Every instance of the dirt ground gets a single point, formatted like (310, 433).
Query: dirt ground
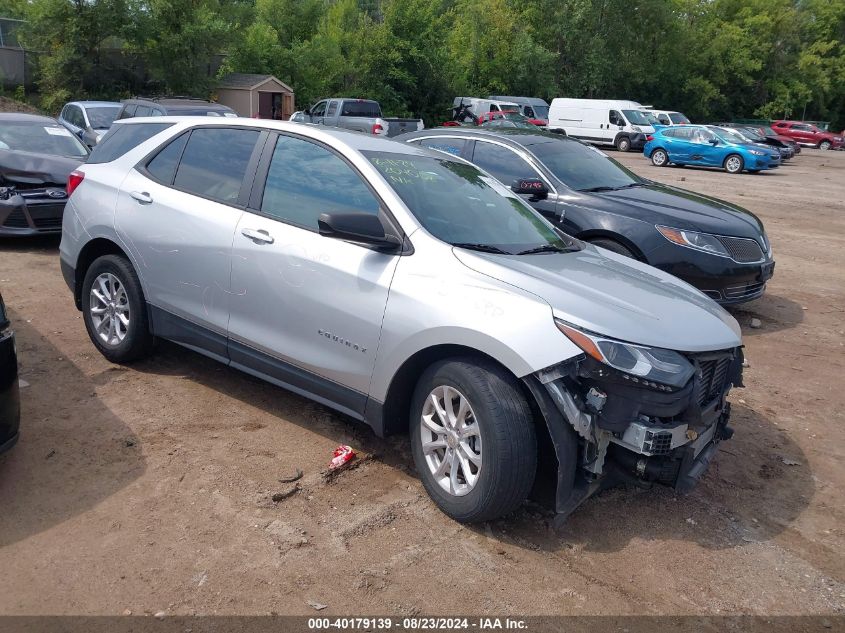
(147, 488)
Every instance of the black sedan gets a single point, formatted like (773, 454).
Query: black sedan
(36, 157)
(10, 406)
(718, 247)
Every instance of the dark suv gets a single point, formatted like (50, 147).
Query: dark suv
(172, 106)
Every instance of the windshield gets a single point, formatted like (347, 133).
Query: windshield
(583, 167)
(28, 136)
(731, 137)
(101, 117)
(459, 205)
(677, 118)
(652, 120)
(540, 111)
(636, 117)
(768, 131)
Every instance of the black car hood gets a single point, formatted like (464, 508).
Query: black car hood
(26, 168)
(661, 204)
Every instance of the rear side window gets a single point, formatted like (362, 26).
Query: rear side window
(505, 164)
(332, 109)
(453, 146)
(129, 111)
(122, 138)
(163, 166)
(368, 109)
(214, 162)
(306, 179)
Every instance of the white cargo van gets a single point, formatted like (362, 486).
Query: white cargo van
(669, 117)
(622, 124)
(473, 107)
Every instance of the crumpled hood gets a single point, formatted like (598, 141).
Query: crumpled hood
(27, 168)
(615, 296)
(661, 204)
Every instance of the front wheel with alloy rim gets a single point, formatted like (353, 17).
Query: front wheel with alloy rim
(825, 145)
(114, 310)
(623, 144)
(734, 164)
(473, 439)
(659, 158)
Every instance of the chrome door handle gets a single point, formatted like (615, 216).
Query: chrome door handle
(141, 196)
(259, 236)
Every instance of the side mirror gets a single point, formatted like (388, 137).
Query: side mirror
(364, 228)
(533, 187)
(714, 141)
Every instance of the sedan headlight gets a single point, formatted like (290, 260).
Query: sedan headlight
(692, 239)
(650, 366)
(757, 152)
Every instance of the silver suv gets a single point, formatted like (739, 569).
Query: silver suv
(407, 289)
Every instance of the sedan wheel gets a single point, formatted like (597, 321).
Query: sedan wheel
(825, 145)
(659, 158)
(734, 164)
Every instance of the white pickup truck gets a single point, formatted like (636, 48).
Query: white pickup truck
(361, 115)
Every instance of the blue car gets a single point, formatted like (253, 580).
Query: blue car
(709, 146)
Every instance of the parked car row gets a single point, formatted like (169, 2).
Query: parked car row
(412, 290)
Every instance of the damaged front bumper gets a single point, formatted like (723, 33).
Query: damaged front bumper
(608, 427)
(31, 211)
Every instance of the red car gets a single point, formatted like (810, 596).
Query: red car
(808, 134)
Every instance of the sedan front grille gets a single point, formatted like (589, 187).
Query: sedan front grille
(742, 250)
(16, 220)
(744, 291)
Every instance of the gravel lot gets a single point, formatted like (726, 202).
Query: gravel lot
(147, 488)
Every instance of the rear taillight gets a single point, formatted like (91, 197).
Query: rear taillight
(74, 180)
(649, 137)
(377, 129)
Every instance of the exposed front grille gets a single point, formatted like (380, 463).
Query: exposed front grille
(743, 291)
(712, 375)
(742, 249)
(16, 220)
(47, 223)
(658, 442)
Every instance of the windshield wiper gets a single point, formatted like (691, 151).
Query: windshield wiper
(547, 248)
(633, 184)
(600, 188)
(485, 248)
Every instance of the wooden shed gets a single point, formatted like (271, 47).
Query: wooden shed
(261, 96)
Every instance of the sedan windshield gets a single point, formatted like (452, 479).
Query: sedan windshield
(101, 117)
(540, 111)
(458, 204)
(35, 137)
(636, 117)
(731, 137)
(583, 167)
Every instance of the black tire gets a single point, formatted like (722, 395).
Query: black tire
(137, 341)
(623, 144)
(613, 246)
(662, 157)
(825, 145)
(730, 164)
(508, 439)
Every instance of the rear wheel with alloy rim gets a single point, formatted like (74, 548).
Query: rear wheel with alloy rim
(473, 439)
(114, 310)
(734, 164)
(825, 145)
(659, 158)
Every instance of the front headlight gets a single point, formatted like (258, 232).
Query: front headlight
(650, 366)
(692, 239)
(636, 128)
(757, 152)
